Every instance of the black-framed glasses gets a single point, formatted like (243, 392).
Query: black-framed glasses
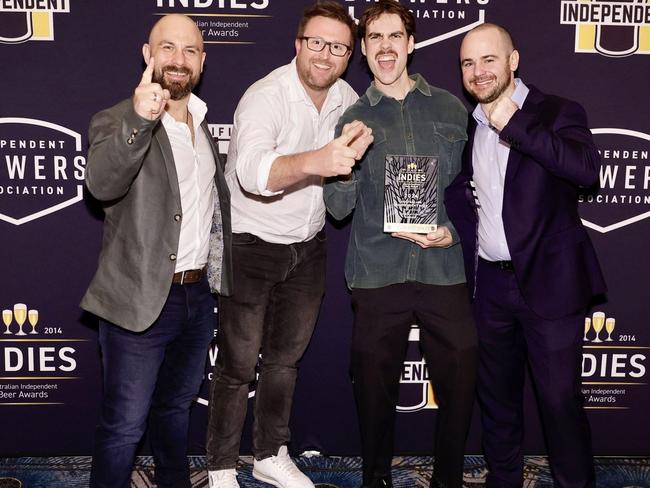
(318, 44)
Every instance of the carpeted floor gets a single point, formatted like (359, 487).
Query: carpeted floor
(326, 472)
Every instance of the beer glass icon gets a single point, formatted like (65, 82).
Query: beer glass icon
(587, 327)
(598, 322)
(20, 315)
(32, 317)
(7, 317)
(610, 323)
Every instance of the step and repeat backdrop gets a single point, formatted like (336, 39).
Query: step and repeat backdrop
(64, 60)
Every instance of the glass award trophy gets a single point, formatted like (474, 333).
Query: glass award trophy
(411, 194)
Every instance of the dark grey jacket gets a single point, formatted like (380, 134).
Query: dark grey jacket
(428, 122)
(131, 170)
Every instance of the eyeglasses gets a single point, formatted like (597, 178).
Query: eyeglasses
(318, 44)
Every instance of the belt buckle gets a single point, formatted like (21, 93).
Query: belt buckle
(505, 265)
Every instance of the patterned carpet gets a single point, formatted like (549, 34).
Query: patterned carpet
(326, 472)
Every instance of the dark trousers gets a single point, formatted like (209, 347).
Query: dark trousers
(382, 321)
(510, 334)
(278, 292)
(152, 377)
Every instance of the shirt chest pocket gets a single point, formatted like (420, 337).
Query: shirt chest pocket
(374, 159)
(448, 143)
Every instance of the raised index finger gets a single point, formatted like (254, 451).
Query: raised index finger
(147, 74)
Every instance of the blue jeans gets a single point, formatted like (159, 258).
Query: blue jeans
(152, 377)
(273, 311)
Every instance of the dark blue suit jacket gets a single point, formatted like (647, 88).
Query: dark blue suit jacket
(552, 153)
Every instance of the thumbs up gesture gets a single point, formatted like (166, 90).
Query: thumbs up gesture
(339, 156)
(149, 98)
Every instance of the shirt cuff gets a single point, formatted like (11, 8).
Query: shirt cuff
(263, 171)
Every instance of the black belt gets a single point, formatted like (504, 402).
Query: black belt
(188, 276)
(503, 265)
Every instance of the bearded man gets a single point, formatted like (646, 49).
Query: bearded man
(530, 264)
(166, 249)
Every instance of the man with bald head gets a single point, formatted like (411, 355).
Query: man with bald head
(529, 261)
(166, 249)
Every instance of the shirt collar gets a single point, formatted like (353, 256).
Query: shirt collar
(374, 94)
(195, 106)
(518, 96)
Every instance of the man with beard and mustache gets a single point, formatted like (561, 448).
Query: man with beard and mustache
(529, 261)
(153, 165)
(403, 278)
(280, 150)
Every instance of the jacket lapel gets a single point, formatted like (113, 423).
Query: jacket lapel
(516, 156)
(468, 169)
(161, 138)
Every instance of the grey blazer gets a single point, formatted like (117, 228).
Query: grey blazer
(131, 170)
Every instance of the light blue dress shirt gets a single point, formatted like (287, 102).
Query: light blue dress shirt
(490, 161)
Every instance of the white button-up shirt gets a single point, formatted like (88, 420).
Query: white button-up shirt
(195, 167)
(276, 117)
(490, 161)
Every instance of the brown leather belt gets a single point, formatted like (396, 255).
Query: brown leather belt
(188, 276)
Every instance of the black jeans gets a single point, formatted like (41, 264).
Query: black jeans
(278, 290)
(382, 322)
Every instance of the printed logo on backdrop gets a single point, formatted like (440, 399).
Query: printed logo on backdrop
(437, 20)
(42, 169)
(614, 28)
(204, 395)
(29, 20)
(613, 363)
(622, 198)
(221, 134)
(224, 21)
(36, 363)
(415, 389)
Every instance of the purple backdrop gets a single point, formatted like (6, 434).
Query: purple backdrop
(68, 59)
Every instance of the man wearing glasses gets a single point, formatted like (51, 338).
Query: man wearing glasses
(280, 150)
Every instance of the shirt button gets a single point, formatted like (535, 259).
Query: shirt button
(177, 217)
(412, 254)
(129, 141)
(172, 257)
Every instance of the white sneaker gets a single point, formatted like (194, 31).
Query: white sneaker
(280, 471)
(223, 478)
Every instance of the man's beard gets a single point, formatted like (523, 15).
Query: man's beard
(501, 86)
(313, 83)
(177, 91)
